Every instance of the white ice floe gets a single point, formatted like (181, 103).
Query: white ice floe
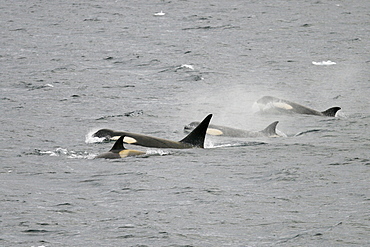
(324, 63)
(159, 13)
(187, 66)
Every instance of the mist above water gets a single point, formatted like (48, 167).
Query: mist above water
(68, 69)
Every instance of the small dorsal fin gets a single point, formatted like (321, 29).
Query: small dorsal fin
(331, 111)
(197, 136)
(271, 129)
(118, 145)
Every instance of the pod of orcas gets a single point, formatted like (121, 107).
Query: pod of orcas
(193, 140)
(198, 130)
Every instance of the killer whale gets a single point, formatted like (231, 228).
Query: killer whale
(270, 104)
(193, 140)
(119, 151)
(218, 130)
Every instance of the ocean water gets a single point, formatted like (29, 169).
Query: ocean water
(70, 68)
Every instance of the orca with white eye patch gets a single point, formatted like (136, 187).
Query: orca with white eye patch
(218, 130)
(119, 151)
(269, 104)
(193, 140)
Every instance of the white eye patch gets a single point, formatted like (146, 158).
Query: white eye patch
(214, 132)
(129, 140)
(283, 105)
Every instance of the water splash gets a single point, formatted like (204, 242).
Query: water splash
(90, 138)
(159, 152)
(280, 133)
(341, 114)
(63, 152)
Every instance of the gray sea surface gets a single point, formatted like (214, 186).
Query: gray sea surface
(68, 68)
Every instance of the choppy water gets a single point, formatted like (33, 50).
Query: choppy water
(68, 68)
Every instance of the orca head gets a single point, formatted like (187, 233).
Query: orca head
(266, 99)
(190, 127)
(267, 103)
(107, 133)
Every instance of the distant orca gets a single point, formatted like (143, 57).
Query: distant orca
(119, 151)
(269, 104)
(194, 140)
(217, 130)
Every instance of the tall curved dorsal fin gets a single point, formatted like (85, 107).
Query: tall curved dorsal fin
(197, 136)
(331, 111)
(271, 129)
(118, 145)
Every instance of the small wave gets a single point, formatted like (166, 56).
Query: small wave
(135, 113)
(85, 155)
(31, 86)
(159, 152)
(36, 231)
(176, 68)
(234, 144)
(63, 152)
(310, 131)
(210, 27)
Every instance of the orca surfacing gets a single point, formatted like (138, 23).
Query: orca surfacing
(269, 104)
(119, 151)
(193, 140)
(218, 130)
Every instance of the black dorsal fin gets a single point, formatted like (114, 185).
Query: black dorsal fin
(118, 145)
(331, 111)
(271, 129)
(197, 136)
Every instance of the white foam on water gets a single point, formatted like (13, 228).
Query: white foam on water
(159, 152)
(65, 152)
(89, 138)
